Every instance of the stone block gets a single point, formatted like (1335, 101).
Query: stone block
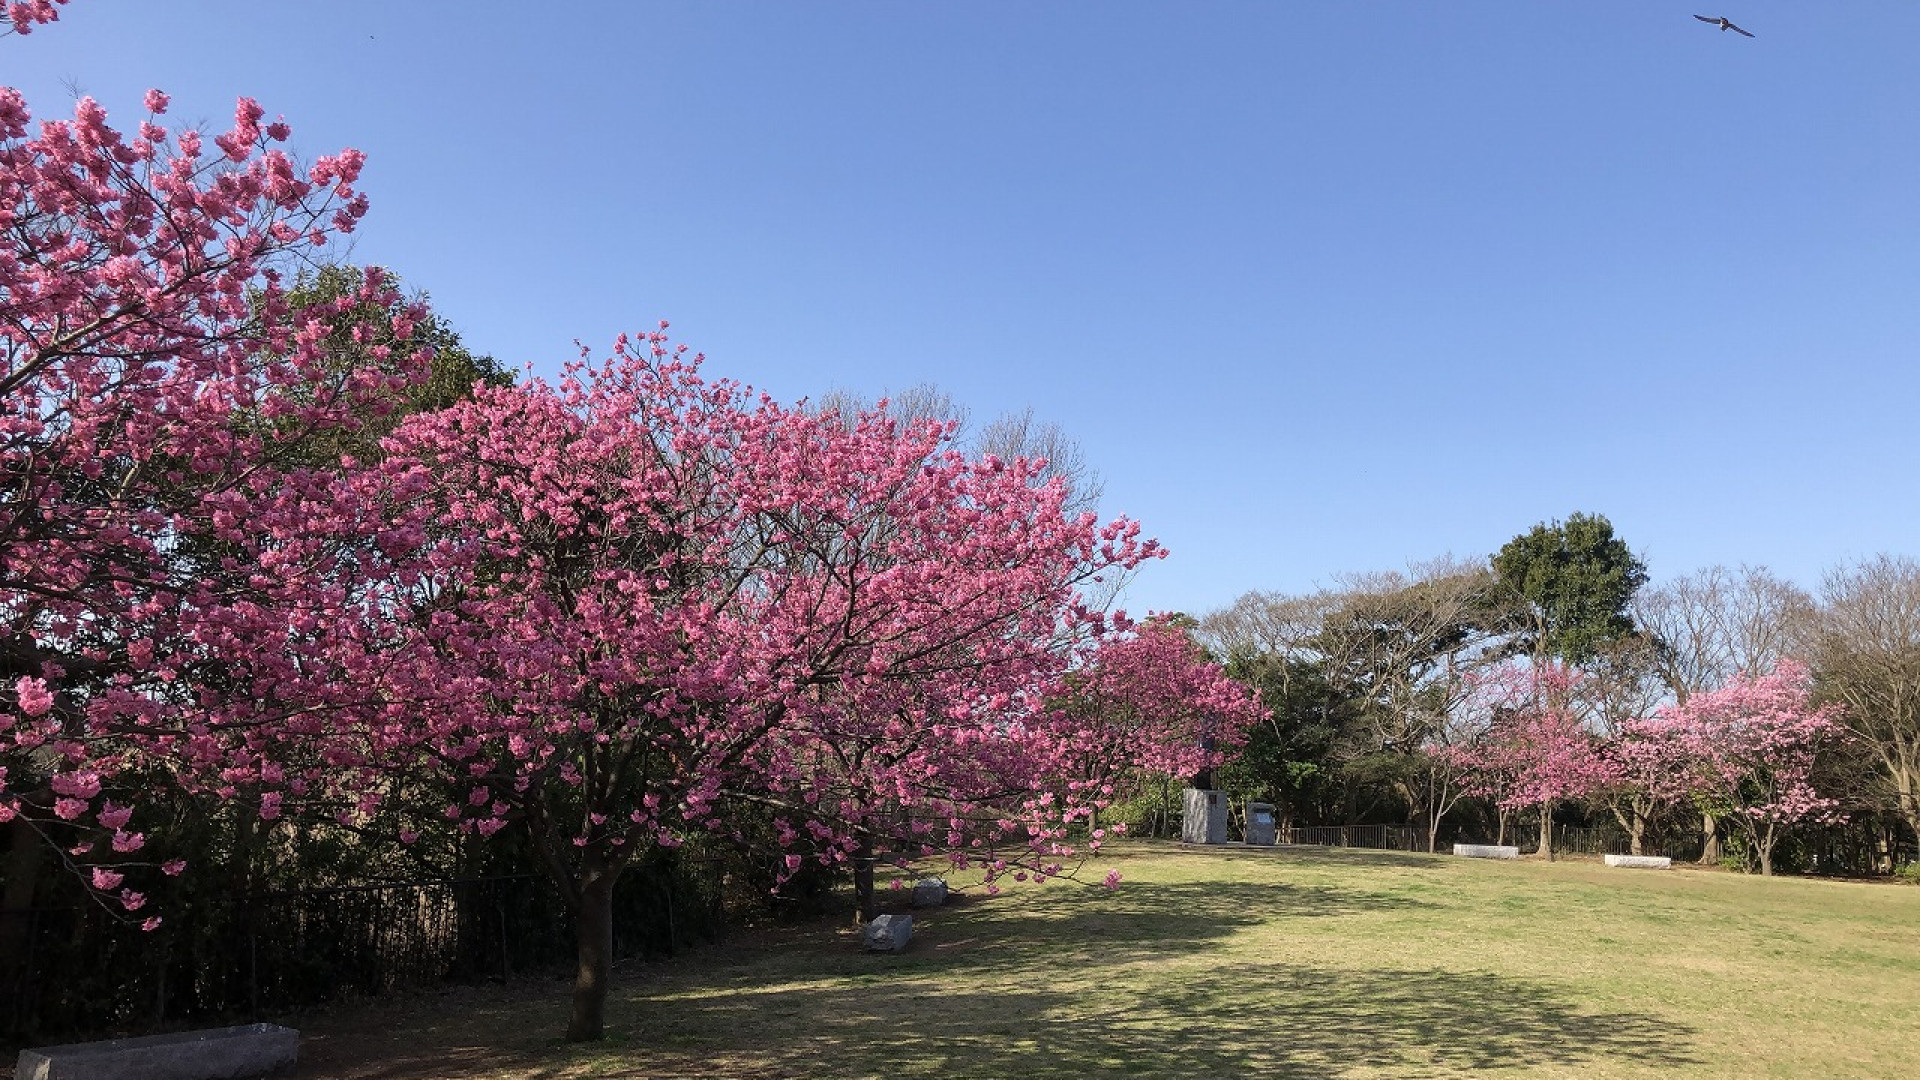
(1641, 862)
(251, 1050)
(888, 933)
(1260, 824)
(931, 892)
(1486, 851)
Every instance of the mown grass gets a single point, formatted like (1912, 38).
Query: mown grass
(1292, 962)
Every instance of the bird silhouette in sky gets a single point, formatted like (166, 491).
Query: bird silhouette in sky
(1723, 23)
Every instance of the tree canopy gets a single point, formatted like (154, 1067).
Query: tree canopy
(1577, 579)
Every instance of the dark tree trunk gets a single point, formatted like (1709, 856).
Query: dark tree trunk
(593, 930)
(1636, 831)
(868, 909)
(1634, 821)
(25, 858)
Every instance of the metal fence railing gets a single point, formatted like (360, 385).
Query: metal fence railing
(1567, 839)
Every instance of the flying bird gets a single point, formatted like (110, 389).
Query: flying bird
(1723, 23)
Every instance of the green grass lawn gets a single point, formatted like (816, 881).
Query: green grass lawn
(1289, 962)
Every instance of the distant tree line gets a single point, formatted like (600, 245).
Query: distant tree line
(1727, 715)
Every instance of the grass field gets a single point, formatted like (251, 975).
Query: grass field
(1290, 962)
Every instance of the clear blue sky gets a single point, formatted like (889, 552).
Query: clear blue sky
(1320, 286)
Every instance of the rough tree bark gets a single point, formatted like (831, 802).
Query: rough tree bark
(593, 933)
(867, 909)
(1710, 850)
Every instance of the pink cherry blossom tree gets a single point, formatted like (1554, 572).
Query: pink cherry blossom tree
(154, 379)
(1753, 745)
(636, 605)
(1152, 703)
(1651, 767)
(613, 612)
(1534, 750)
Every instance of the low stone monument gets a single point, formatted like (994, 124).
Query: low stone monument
(251, 1050)
(888, 933)
(1641, 862)
(930, 892)
(1486, 851)
(1260, 826)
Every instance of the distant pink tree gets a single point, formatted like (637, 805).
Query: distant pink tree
(1753, 746)
(1651, 768)
(1534, 751)
(1152, 702)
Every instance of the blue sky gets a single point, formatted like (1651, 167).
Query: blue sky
(1319, 286)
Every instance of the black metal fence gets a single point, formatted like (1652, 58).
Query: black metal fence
(83, 970)
(1567, 839)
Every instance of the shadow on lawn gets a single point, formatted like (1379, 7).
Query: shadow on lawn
(1306, 853)
(1261, 1020)
(1079, 925)
(978, 995)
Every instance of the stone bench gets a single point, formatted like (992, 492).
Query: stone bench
(1486, 851)
(250, 1050)
(1641, 862)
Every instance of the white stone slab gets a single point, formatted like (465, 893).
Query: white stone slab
(1641, 862)
(1486, 851)
(250, 1050)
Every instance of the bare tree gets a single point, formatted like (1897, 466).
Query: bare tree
(1020, 435)
(1396, 646)
(1403, 641)
(1714, 624)
(1622, 683)
(919, 402)
(1866, 654)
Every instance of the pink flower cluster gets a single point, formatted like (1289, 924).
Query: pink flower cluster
(155, 375)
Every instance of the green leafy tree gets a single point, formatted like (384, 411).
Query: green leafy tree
(1575, 579)
(1296, 760)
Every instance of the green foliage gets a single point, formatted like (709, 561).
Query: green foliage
(1578, 578)
(451, 378)
(1154, 810)
(1297, 760)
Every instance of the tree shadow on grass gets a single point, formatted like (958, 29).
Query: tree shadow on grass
(1240, 1020)
(1310, 854)
(1147, 921)
(1050, 991)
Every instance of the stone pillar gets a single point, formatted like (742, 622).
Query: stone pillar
(1205, 817)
